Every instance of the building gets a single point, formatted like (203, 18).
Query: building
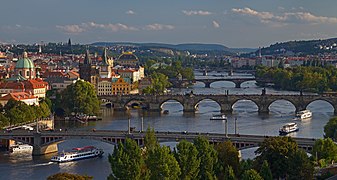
(25, 97)
(88, 72)
(121, 86)
(104, 86)
(128, 59)
(144, 83)
(25, 67)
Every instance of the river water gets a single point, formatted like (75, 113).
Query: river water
(25, 166)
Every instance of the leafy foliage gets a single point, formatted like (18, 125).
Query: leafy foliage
(228, 155)
(265, 171)
(325, 149)
(80, 97)
(251, 175)
(208, 158)
(68, 176)
(187, 157)
(330, 129)
(229, 173)
(159, 83)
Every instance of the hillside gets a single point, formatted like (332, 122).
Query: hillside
(301, 47)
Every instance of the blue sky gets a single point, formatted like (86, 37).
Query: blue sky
(233, 23)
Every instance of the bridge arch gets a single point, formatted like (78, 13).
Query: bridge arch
(285, 105)
(211, 104)
(297, 108)
(224, 82)
(134, 101)
(245, 103)
(171, 100)
(322, 107)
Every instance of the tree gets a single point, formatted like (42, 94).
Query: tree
(228, 155)
(251, 175)
(162, 164)
(150, 140)
(330, 129)
(68, 176)
(126, 161)
(208, 158)
(80, 98)
(276, 151)
(265, 171)
(299, 166)
(229, 173)
(4, 121)
(325, 149)
(187, 157)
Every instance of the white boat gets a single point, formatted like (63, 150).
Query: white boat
(301, 115)
(218, 117)
(20, 148)
(77, 154)
(288, 128)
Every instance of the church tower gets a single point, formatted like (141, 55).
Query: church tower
(105, 68)
(85, 68)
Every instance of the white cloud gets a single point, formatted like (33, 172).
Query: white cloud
(78, 28)
(286, 17)
(130, 12)
(216, 24)
(71, 29)
(199, 12)
(157, 27)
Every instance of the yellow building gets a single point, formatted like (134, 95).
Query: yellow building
(121, 86)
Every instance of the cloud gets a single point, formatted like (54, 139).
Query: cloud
(286, 17)
(216, 24)
(199, 12)
(157, 27)
(71, 29)
(79, 28)
(130, 12)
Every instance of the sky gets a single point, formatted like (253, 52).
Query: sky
(233, 23)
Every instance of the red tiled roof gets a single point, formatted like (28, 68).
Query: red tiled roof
(18, 96)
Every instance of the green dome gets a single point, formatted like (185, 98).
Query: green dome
(25, 62)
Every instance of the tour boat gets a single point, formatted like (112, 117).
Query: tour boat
(77, 154)
(20, 148)
(218, 117)
(288, 128)
(305, 114)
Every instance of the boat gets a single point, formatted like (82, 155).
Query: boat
(78, 154)
(288, 128)
(20, 148)
(301, 115)
(218, 117)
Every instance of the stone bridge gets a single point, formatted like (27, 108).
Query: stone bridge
(46, 142)
(236, 81)
(190, 102)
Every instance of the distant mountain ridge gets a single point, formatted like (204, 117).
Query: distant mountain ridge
(182, 47)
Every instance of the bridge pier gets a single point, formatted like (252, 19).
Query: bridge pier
(263, 109)
(207, 84)
(237, 84)
(154, 107)
(226, 108)
(38, 149)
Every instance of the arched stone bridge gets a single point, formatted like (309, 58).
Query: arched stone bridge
(208, 82)
(190, 101)
(46, 142)
(236, 81)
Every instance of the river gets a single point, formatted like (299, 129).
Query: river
(25, 166)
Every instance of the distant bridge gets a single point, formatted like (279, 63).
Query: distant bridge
(191, 101)
(46, 142)
(208, 82)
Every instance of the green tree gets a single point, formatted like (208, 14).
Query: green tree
(68, 176)
(229, 173)
(330, 129)
(325, 149)
(276, 151)
(4, 121)
(208, 158)
(80, 98)
(126, 161)
(246, 165)
(162, 164)
(228, 155)
(150, 140)
(265, 171)
(187, 157)
(300, 166)
(251, 175)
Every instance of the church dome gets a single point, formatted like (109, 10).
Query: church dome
(127, 57)
(24, 63)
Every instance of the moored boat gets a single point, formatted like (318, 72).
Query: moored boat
(288, 128)
(77, 154)
(301, 115)
(218, 117)
(20, 148)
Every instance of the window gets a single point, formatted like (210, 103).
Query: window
(28, 73)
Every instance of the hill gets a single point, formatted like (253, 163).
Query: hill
(304, 47)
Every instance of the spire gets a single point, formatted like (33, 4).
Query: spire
(24, 54)
(87, 59)
(105, 57)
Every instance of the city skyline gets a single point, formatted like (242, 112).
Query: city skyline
(231, 23)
